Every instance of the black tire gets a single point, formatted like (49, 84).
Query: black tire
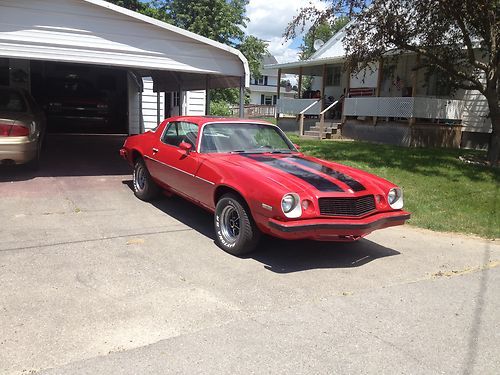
(144, 187)
(34, 165)
(235, 230)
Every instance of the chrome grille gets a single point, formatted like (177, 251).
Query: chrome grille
(347, 206)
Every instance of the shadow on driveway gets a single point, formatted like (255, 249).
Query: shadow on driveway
(73, 155)
(281, 256)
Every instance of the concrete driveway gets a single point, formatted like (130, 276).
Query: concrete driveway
(94, 281)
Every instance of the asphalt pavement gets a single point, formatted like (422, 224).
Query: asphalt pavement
(94, 281)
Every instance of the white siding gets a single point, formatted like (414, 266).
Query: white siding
(196, 103)
(475, 113)
(149, 105)
(134, 108)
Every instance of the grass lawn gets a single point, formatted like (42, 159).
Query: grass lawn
(442, 192)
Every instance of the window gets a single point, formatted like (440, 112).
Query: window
(180, 131)
(268, 100)
(254, 138)
(333, 75)
(260, 81)
(176, 99)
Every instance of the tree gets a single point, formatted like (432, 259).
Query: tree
(254, 49)
(219, 20)
(458, 38)
(322, 31)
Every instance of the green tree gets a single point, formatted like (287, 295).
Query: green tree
(458, 38)
(219, 20)
(254, 49)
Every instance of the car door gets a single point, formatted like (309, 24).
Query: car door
(174, 166)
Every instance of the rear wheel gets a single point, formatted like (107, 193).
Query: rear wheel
(34, 164)
(235, 230)
(144, 187)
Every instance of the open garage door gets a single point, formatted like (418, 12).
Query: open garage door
(80, 98)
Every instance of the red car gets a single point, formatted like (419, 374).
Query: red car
(256, 181)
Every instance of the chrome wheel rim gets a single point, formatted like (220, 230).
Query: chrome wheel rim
(139, 178)
(230, 224)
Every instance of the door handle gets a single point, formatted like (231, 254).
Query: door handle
(155, 150)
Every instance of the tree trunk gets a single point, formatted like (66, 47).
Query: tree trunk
(494, 145)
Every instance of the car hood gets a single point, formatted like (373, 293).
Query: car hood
(298, 173)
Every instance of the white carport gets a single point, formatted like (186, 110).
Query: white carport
(94, 32)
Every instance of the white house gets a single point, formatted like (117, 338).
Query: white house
(390, 102)
(263, 90)
(115, 49)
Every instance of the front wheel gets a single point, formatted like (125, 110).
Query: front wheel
(144, 187)
(235, 230)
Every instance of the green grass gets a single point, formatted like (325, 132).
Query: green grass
(442, 192)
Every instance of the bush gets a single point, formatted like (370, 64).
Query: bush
(219, 108)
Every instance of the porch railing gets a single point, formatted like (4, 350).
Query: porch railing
(255, 110)
(294, 107)
(405, 107)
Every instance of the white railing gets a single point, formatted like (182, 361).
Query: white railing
(405, 107)
(294, 107)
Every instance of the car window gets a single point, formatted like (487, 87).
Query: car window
(11, 101)
(180, 131)
(242, 137)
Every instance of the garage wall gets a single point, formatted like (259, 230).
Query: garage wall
(149, 104)
(196, 103)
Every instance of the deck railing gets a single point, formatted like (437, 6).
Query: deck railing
(405, 107)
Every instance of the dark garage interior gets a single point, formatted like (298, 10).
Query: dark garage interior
(80, 98)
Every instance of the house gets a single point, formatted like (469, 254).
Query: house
(114, 51)
(263, 89)
(388, 102)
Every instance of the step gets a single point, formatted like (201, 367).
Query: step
(329, 124)
(326, 129)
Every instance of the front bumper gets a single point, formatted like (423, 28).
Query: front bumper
(17, 150)
(336, 229)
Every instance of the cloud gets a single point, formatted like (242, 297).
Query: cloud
(268, 21)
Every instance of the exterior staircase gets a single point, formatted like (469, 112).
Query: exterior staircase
(330, 131)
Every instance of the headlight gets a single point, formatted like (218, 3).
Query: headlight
(395, 198)
(290, 205)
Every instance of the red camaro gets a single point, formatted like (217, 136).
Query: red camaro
(256, 181)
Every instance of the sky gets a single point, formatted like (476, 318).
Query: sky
(268, 20)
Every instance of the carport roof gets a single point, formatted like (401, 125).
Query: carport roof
(100, 33)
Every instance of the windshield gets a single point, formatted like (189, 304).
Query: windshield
(251, 138)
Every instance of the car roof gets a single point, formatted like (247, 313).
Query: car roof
(202, 120)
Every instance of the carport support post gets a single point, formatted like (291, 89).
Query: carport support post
(207, 96)
(158, 105)
(242, 97)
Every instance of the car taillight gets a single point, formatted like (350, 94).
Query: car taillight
(13, 131)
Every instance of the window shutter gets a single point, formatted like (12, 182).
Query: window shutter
(265, 80)
(262, 100)
(275, 97)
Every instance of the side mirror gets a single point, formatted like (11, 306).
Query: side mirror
(297, 146)
(186, 147)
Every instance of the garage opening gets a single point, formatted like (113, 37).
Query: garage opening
(80, 98)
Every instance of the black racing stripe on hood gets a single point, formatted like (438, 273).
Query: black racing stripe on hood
(348, 180)
(320, 183)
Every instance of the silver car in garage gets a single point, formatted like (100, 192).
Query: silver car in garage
(22, 127)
